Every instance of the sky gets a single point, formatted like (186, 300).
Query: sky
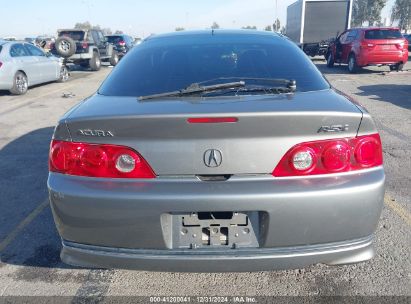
(139, 18)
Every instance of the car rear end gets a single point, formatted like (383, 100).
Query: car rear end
(383, 46)
(243, 182)
(80, 38)
(6, 67)
(119, 43)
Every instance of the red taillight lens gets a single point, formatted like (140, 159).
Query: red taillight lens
(1, 63)
(84, 44)
(96, 160)
(368, 152)
(122, 43)
(336, 157)
(331, 156)
(367, 45)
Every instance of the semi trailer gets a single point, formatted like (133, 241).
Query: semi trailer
(312, 24)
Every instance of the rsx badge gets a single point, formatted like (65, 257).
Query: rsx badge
(333, 128)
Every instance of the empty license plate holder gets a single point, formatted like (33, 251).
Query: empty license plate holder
(215, 230)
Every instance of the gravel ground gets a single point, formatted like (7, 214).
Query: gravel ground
(29, 244)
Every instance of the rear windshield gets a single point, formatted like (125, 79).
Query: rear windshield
(167, 64)
(114, 39)
(75, 35)
(383, 34)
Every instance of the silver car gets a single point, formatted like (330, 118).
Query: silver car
(216, 151)
(23, 65)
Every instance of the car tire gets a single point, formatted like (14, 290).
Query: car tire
(95, 62)
(20, 84)
(114, 58)
(352, 64)
(64, 74)
(397, 67)
(330, 60)
(65, 47)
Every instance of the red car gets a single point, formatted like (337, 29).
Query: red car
(360, 47)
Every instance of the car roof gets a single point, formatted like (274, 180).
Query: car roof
(209, 33)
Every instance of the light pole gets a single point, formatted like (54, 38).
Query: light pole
(276, 16)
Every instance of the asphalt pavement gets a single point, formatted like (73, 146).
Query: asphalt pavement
(30, 246)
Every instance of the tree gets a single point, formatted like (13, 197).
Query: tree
(367, 11)
(215, 26)
(178, 29)
(118, 32)
(88, 26)
(283, 30)
(249, 27)
(401, 12)
(107, 31)
(268, 28)
(83, 25)
(277, 25)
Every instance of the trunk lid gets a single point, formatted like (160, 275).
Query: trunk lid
(267, 127)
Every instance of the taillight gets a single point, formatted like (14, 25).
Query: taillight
(122, 43)
(95, 160)
(401, 45)
(196, 120)
(1, 63)
(331, 156)
(367, 45)
(84, 44)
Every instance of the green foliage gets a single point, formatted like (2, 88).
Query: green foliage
(277, 25)
(215, 26)
(401, 12)
(88, 26)
(179, 29)
(268, 28)
(367, 11)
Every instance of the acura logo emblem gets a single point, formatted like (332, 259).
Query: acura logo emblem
(213, 158)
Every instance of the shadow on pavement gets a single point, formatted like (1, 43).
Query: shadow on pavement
(23, 175)
(384, 92)
(343, 69)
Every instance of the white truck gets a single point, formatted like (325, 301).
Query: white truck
(311, 24)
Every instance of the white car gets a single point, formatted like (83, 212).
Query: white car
(23, 65)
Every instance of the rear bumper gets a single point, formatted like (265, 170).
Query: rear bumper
(117, 215)
(218, 261)
(82, 56)
(384, 59)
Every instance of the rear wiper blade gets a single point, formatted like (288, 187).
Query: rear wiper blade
(256, 89)
(289, 83)
(196, 88)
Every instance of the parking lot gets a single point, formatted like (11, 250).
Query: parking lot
(30, 245)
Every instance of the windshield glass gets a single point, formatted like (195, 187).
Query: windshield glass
(165, 65)
(383, 34)
(75, 35)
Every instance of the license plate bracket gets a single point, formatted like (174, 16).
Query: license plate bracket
(215, 230)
